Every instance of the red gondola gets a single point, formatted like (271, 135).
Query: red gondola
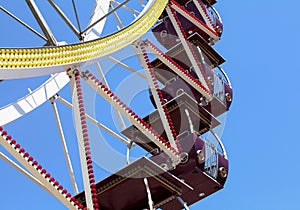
(210, 26)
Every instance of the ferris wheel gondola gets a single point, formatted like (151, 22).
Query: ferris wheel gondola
(181, 70)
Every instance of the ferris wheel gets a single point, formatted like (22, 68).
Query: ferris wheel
(135, 89)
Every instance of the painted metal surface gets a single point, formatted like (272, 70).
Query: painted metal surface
(184, 99)
(185, 88)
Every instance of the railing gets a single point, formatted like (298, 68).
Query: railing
(219, 88)
(220, 81)
(222, 74)
(211, 159)
(214, 15)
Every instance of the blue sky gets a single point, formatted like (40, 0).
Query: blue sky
(261, 47)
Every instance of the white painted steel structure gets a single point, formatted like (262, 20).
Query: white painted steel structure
(66, 62)
(54, 60)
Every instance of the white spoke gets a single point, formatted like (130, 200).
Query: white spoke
(142, 3)
(100, 125)
(116, 16)
(76, 14)
(65, 18)
(23, 23)
(42, 22)
(105, 16)
(126, 66)
(64, 145)
(120, 118)
(125, 7)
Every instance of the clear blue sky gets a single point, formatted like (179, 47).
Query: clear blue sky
(261, 47)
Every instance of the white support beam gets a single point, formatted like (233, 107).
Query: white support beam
(34, 99)
(126, 7)
(116, 16)
(105, 16)
(129, 146)
(184, 204)
(106, 84)
(142, 3)
(187, 113)
(126, 66)
(97, 123)
(80, 140)
(23, 23)
(64, 145)
(65, 18)
(150, 201)
(42, 22)
(100, 9)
